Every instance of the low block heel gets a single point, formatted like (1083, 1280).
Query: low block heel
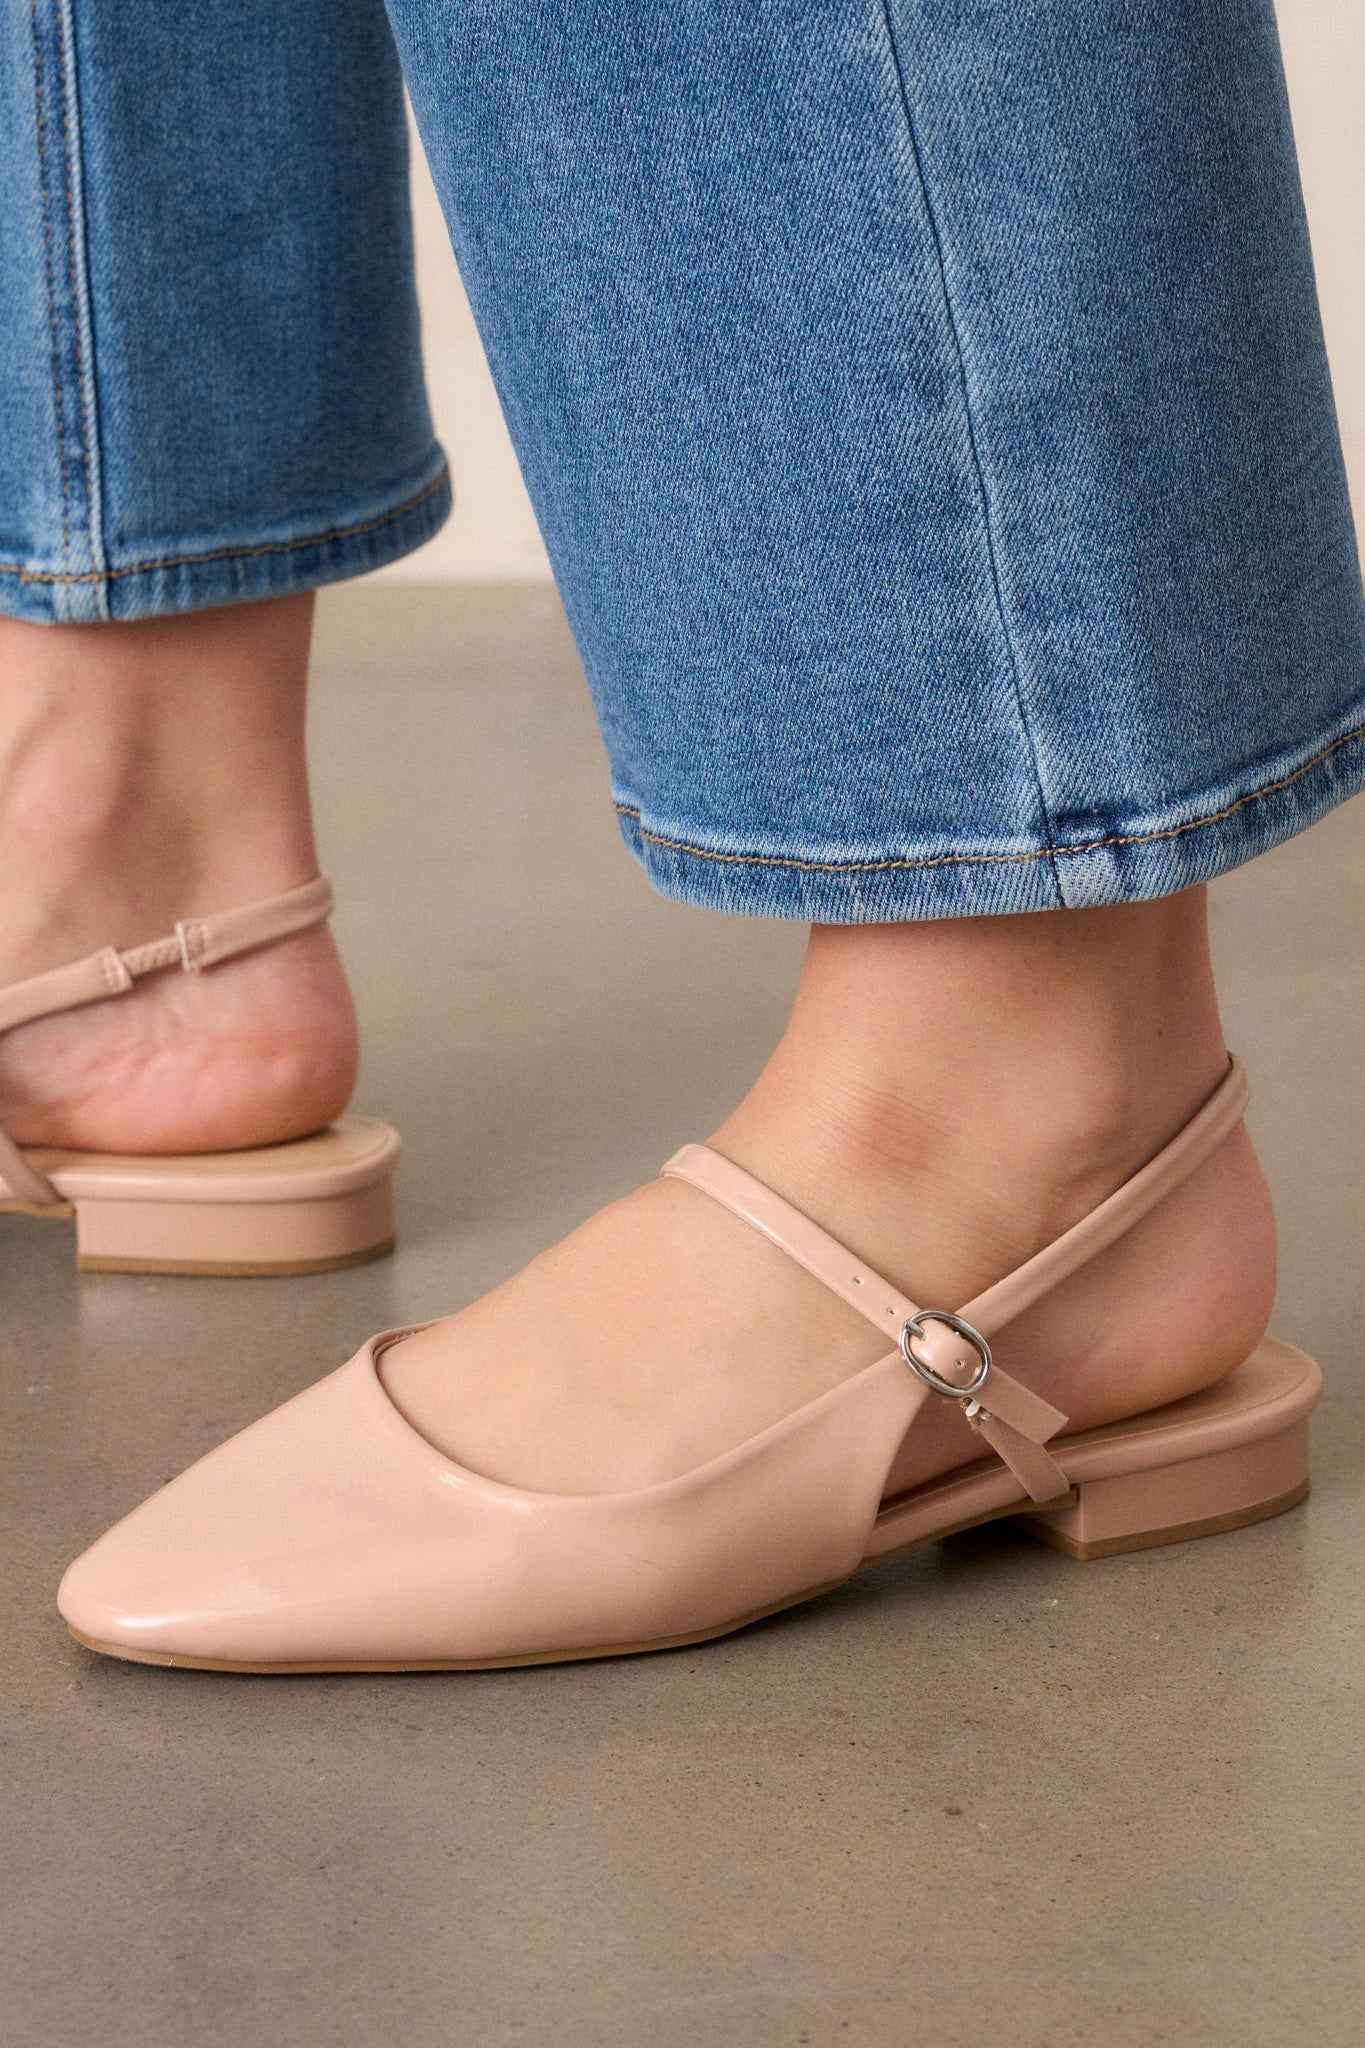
(1228, 1489)
(310, 1205)
(243, 1238)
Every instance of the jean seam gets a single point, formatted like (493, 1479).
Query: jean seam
(939, 860)
(973, 441)
(279, 547)
(79, 293)
(44, 174)
(76, 248)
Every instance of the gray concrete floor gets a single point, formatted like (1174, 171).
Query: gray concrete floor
(982, 1794)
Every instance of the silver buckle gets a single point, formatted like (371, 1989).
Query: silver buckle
(914, 1327)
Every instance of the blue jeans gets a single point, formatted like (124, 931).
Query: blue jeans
(923, 401)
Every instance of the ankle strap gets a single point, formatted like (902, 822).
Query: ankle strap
(1016, 1422)
(196, 943)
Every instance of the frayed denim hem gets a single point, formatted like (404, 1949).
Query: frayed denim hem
(327, 551)
(1128, 864)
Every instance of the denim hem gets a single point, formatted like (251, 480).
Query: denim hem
(347, 545)
(1120, 866)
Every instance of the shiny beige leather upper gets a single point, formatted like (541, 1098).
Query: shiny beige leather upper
(332, 1532)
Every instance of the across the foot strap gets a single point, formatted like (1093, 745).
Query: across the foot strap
(196, 943)
(950, 1352)
(1017, 1423)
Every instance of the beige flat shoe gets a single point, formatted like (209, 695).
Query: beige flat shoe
(332, 1537)
(305, 1207)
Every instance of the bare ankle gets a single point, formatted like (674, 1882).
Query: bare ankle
(1002, 1074)
(149, 773)
(145, 768)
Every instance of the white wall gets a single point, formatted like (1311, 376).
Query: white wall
(492, 534)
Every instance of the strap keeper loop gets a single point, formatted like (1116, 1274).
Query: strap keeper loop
(113, 966)
(183, 933)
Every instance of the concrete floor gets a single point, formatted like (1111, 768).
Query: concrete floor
(981, 1795)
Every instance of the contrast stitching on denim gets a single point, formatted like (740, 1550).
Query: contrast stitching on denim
(73, 245)
(275, 547)
(941, 860)
(973, 438)
(51, 281)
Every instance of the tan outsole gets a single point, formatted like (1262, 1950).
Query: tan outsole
(237, 1269)
(1216, 1525)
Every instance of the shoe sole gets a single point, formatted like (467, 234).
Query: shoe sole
(314, 1205)
(238, 1269)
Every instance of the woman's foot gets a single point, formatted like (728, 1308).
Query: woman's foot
(947, 1099)
(152, 772)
